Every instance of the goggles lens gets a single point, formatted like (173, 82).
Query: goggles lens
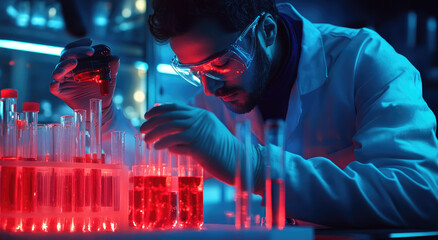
(229, 65)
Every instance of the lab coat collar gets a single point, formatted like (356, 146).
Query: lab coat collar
(312, 73)
(312, 66)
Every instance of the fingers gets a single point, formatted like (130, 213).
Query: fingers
(78, 43)
(180, 149)
(172, 141)
(54, 88)
(162, 119)
(114, 66)
(158, 110)
(164, 130)
(77, 52)
(63, 68)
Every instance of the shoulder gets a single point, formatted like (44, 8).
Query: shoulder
(364, 50)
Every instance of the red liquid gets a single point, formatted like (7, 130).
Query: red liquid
(29, 194)
(95, 196)
(174, 210)
(9, 198)
(96, 188)
(9, 189)
(79, 189)
(275, 204)
(67, 192)
(158, 205)
(53, 188)
(138, 202)
(191, 208)
(116, 195)
(96, 193)
(87, 190)
(242, 218)
(131, 201)
(107, 191)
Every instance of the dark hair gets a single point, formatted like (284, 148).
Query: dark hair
(175, 17)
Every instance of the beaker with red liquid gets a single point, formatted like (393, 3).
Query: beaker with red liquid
(158, 191)
(138, 177)
(190, 193)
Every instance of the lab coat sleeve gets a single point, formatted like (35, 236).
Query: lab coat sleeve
(119, 122)
(393, 180)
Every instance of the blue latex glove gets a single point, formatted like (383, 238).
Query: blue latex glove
(77, 95)
(199, 133)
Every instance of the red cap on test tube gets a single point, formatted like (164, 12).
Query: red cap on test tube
(9, 93)
(31, 107)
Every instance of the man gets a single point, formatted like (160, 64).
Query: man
(360, 146)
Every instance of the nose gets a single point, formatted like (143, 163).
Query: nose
(211, 85)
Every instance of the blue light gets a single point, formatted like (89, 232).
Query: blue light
(11, 11)
(38, 21)
(166, 68)
(412, 234)
(212, 194)
(118, 99)
(30, 47)
(55, 23)
(141, 65)
(100, 21)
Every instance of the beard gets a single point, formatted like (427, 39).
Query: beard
(259, 76)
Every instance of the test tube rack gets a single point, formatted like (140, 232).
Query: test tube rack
(66, 197)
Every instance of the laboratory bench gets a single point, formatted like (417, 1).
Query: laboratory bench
(227, 232)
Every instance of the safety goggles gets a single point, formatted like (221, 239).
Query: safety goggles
(225, 65)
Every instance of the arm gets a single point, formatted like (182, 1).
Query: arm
(393, 180)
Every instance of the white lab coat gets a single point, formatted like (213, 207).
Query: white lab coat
(360, 139)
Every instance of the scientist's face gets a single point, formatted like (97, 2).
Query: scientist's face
(204, 41)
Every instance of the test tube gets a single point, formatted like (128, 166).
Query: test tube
(2, 117)
(190, 193)
(111, 179)
(54, 130)
(9, 110)
(43, 174)
(9, 175)
(67, 132)
(80, 118)
(96, 130)
(96, 157)
(138, 178)
(174, 187)
(43, 177)
(243, 178)
(28, 149)
(65, 186)
(30, 111)
(54, 224)
(43, 143)
(118, 147)
(274, 165)
(117, 158)
(10, 202)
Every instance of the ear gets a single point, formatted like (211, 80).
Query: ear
(267, 29)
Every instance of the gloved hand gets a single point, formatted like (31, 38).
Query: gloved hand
(196, 132)
(77, 95)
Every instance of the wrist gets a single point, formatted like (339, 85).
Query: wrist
(108, 114)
